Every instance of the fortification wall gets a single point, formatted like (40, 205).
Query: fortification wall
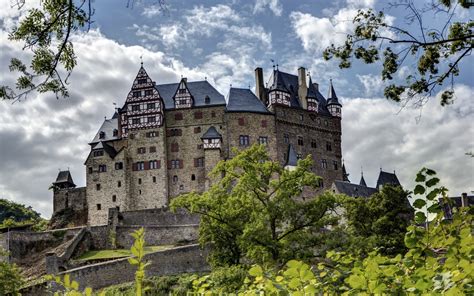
(173, 261)
(73, 198)
(158, 235)
(28, 243)
(161, 217)
(99, 237)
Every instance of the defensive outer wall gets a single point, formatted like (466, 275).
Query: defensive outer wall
(161, 228)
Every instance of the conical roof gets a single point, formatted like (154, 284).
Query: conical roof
(345, 175)
(332, 97)
(312, 91)
(64, 178)
(278, 82)
(362, 181)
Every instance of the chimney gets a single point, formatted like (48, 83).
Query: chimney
(464, 201)
(259, 86)
(185, 80)
(302, 88)
(316, 86)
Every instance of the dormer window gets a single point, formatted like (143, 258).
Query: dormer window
(182, 97)
(115, 132)
(207, 100)
(102, 135)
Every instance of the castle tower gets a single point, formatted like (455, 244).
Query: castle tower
(212, 143)
(278, 94)
(60, 190)
(333, 104)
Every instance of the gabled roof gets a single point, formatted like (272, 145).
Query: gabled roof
(332, 97)
(291, 157)
(64, 177)
(211, 133)
(285, 82)
(354, 190)
(108, 128)
(387, 178)
(107, 148)
(198, 89)
(244, 100)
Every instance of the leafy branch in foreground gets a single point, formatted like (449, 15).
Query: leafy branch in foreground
(46, 31)
(437, 51)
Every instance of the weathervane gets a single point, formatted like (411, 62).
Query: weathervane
(141, 60)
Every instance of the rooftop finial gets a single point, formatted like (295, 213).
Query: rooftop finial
(277, 67)
(205, 78)
(141, 60)
(361, 171)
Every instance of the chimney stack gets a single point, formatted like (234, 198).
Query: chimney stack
(302, 88)
(259, 86)
(464, 201)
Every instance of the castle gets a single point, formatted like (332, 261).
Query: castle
(166, 139)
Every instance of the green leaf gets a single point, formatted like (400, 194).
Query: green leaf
(419, 203)
(430, 172)
(420, 177)
(432, 182)
(357, 281)
(420, 217)
(255, 271)
(419, 189)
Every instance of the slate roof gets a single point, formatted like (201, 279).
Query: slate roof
(291, 157)
(211, 133)
(64, 177)
(362, 181)
(244, 100)
(332, 97)
(354, 190)
(285, 82)
(387, 178)
(457, 203)
(198, 89)
(289, 83)
(107, 148)
(345, 175)
(108, 128)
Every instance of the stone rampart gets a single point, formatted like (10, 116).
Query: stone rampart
(158, 217)
(158, 235)
(25, 243)
(184, 259)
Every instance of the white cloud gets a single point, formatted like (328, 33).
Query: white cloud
(373, 84)
(318, 33)
(273, 5)
(375, 135)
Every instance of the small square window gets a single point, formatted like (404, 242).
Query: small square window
(99, 207)
(264, 123)
(198, 115)
(241, 121)
(152, 149)
(244, 140)
(90, 170)
(149, 92)
(300, 141)
(178, 116)
(97, 186)
(119, 184)
(197, 130)
(286, 138)
(263, 140)
(154, 179)
(114, 198)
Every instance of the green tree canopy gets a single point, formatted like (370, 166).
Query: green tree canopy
(16, 212)
(437, 51)
(255, 210)
(380, 221)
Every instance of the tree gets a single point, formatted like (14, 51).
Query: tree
(16, 212)
(374, 38)
(252, 212)
(379, 222)
(10, 277)
(46, 31)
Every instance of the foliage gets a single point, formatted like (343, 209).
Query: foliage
(10, 278)
(375, 38)
(251, 210)
(138, 252)
(69, 288)
(46, 31)
(221, 280)
(439, 261)
(16, 212)
(379, 221)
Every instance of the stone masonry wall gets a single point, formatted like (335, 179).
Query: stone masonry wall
(187, 145)
(162, 217)
(73, 198)
(158, 235)
(173, 261)
(311, 127)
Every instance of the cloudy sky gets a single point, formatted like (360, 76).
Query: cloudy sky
(224, 41)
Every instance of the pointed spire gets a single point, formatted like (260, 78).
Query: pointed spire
(345, 175)
(312, 92)
(292, 157)
(362, 180)
(332, 97)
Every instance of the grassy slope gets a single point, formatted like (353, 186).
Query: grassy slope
(118, 253)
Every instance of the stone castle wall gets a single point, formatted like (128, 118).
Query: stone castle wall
(158, 235)
(72, 198)
(178, 260)
(162, 217)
